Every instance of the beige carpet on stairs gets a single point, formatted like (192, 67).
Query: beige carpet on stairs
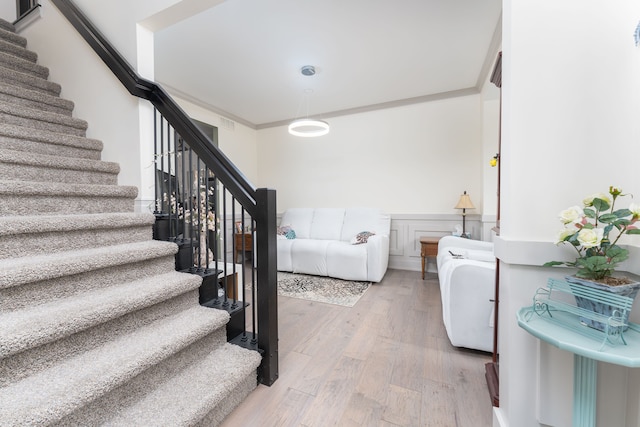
(97, 326)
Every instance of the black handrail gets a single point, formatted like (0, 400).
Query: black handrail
(223, 168)
(259, 203)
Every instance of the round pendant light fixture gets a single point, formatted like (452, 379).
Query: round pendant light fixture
(308, 127)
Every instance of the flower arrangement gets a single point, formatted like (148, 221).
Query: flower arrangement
(588, 230)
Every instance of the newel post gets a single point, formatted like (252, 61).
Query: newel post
(267, 292)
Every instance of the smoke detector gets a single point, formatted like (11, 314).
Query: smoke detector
(308, 70)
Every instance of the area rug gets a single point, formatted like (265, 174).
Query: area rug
(321, 289)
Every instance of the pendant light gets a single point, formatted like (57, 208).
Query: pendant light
(308, 127)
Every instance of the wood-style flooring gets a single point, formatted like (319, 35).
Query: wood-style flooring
(385, 362)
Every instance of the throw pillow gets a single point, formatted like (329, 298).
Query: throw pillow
(286, 232)
(361, 237)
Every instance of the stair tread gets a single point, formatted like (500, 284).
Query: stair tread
(55, 392)
(225, 368)
(7, 26)
(21, 132)
(16, 50)
(34, 188)
(34, 82)
(42, 116)
(37, 96)
(8, 33)
(58, 162)
(11, 225)
(37, 325)
(29, 269)
(23, 65)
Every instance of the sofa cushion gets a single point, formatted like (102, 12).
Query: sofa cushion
(327, 224)
(284, 255)
(299, 219)
(309, 256)
(347, 261)
(364, 219)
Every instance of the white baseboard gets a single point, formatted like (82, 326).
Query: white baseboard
(499, 419)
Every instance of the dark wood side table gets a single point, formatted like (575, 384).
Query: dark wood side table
(241, 239)
(428, 247)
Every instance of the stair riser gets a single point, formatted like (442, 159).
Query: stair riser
(18, 51)
(23, 66)
(17, 172)
(42, 125)
(217, 414)
(101, 409)
(42, 243)
(26, 363)
(42, 205)
(26, 81)
(45, 291)
(47, 105)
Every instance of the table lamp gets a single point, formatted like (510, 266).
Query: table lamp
(464, 203)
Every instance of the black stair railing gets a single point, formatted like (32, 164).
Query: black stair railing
(194, 178)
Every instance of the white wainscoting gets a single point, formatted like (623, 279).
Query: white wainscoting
(406, 230)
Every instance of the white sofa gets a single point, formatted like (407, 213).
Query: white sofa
(323, 243)
(466, 272)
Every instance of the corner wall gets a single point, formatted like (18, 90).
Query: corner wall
(571, 96)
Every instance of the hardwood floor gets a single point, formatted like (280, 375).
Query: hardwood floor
(385, 362)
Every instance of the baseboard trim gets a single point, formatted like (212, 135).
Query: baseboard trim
(493, 383)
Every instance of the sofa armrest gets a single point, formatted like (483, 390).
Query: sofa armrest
(459, 242)
(377, 256)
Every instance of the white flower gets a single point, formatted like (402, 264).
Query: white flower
(572, 215)
(590, 237)
(588, 201)
(563, 234)
(635, 209)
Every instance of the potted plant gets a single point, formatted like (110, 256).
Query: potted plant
(593, 230)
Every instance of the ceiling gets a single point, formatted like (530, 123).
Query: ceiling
(242, 58)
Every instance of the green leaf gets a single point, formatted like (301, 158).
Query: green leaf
(589, 213)
(552, 263)
(633, 231)
(600, 204)
(607, 218)
(622, 213)
(617, 254)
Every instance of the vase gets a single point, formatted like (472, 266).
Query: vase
(630, 290)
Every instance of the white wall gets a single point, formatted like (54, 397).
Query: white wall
(8, 10)
(237, 142)
(411, 159)
(571, 96)
(119, 120)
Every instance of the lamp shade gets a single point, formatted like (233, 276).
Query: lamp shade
(464, 202)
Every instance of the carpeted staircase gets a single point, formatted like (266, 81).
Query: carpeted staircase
(96, 326)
